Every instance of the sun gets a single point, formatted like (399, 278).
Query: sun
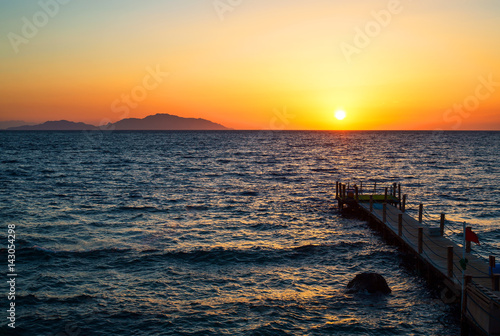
(340, 114)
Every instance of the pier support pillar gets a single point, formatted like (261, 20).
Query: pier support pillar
(465, 326)
(494, 281)
(337, 190)
(400, 225)
(399, 195)
(420, 240)
(450, 262)
(356, 192)
(384, 212)
(403, 206)
(441, 224)
(420, 212)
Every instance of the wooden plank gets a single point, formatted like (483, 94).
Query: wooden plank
(377, 198)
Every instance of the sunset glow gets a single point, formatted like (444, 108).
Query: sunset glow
(391, 64)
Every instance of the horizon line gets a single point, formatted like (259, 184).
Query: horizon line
(260, 130)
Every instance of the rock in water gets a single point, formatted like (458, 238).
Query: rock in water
(371, 282)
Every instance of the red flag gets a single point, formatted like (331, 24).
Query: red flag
(471, 236)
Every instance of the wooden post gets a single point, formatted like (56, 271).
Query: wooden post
(450, 262)
(399, 195)
(384, 212)
(375, 187)
(361, 188)
(420, 240)
(468, 280)
(385, 195)
(441, 224)
(356, 192)
(336, 189)
(403, 207)
(343, 191)
(464, 327)
(400, 225)
(420, 211)
(496, 282)
(371, 203)
(394, 186)
(467, 246)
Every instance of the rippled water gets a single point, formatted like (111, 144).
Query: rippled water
(229, 233)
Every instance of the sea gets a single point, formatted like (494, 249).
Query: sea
(229, 232)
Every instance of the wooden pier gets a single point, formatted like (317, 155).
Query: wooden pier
(438, 258)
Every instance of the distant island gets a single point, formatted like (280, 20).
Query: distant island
(14, 123)
(157, 122)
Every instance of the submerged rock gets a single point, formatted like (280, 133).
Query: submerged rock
(371, 282)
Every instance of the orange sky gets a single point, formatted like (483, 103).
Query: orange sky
(258, 65)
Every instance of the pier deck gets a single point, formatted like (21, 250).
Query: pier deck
(434, 248)
(439, 257)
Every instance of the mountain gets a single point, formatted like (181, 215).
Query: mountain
(14, 123)
(165, 121)
(61, 125)
(157, 122)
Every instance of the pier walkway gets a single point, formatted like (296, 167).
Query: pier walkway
(441, 259)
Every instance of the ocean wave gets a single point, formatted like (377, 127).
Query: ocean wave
(248, 193)
(338, 248)
(199, 207)
(255, 255)
(16, 173)
(31, 299)
(40, 251)
(268, 226)
(11, 161)
(453, 198)
(142, 208)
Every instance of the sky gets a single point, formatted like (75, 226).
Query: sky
(254, 64)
